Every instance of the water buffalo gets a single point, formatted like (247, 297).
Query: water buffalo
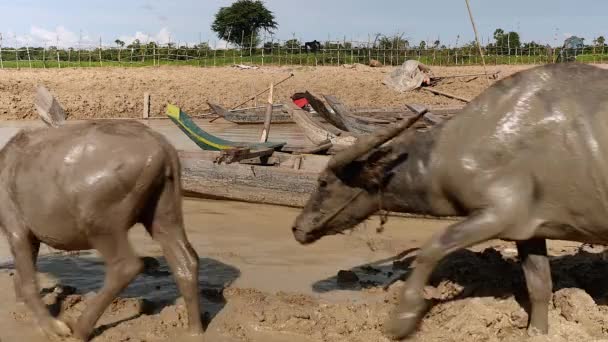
(83, 186)
(525, 161)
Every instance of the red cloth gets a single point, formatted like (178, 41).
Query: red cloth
(301, 102)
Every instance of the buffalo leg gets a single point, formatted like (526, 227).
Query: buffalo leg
(22, 246)
(533, 256)
(122, 266)
(166, 226)
(412, 306)
(17, 279)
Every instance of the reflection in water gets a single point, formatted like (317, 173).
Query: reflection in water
(156, 284)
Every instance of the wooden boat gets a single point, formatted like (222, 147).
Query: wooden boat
(208, 141)
(285, 179)
(282, 179)
(253, 115)
(341, 116)
(317, 132)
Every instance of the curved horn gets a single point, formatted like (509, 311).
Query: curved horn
(368, 142)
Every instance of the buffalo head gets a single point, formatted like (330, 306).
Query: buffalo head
(348, 190)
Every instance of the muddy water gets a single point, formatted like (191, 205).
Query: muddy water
(288, 133)
(251, 246)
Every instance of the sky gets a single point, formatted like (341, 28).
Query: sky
(68, 22)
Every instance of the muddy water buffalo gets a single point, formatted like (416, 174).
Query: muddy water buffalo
(83, 186)
(527, 160)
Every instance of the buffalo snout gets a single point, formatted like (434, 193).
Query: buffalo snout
(301, 236)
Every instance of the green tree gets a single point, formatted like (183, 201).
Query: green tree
(436, 43)
(394, 42)
(136, 44)
(506, 41)
(292, 44)
(422, 45)
(599, 41)
(241, 22)
(119, 42)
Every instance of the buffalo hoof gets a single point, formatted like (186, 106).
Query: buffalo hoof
(535, 331)
(403, 323)
(54, 327)
(196, 331)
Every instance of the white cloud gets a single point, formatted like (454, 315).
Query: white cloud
(38, 36)
(162, 37)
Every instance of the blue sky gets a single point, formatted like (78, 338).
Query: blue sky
(38, 21)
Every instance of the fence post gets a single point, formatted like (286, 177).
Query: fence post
(1, 61)
(100, 62)
(29, 59)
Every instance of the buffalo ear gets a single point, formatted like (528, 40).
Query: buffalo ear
(374, 171)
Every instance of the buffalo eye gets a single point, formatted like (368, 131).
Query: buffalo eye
(322, 183)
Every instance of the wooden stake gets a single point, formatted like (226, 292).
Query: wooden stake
(146, 114)
(483, 61)
(437, 92)
(268, 118)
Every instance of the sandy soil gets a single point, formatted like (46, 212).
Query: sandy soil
(258, 284)
(118, 92)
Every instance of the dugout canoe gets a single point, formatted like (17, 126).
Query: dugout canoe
(253, 115)
(208, 141)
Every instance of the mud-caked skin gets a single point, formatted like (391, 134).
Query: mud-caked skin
(527, 160)
(83, 186)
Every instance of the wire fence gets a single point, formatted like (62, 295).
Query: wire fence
(290, 52)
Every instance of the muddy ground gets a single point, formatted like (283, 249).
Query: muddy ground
(118, 92)
(258, 284)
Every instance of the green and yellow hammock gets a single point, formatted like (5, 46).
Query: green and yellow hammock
(208, 141)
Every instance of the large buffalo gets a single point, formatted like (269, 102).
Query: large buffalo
(527, 160)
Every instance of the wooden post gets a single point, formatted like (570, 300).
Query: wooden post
(267, 120)
(146, 114)
(483, 61)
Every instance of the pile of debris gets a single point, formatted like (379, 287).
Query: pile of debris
(413, 75)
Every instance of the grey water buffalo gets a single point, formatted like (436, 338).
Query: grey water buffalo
(83, 186)
(525, 161)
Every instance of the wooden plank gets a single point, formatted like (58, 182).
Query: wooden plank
(146, 113)
(268, 117)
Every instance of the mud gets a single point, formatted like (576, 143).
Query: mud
(118, 92)
(258, 284)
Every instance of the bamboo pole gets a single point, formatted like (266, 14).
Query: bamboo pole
(437, 92)
(268, 118)
(483, 61)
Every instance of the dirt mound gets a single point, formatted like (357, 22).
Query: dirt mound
(118, 92)
(475, 296)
